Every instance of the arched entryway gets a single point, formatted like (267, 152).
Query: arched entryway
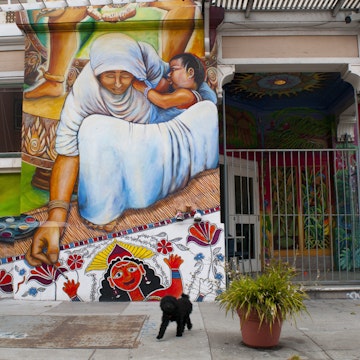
(290, 153)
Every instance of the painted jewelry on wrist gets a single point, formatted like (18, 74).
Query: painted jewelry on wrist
(53, 204)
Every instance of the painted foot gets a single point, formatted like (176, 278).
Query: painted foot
(47, 88)
(106, 227)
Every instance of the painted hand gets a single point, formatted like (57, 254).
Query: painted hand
(71, 288)
(174, 262)
(45, 245)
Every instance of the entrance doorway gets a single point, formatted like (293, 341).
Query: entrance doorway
(244, 228)
(292, 177)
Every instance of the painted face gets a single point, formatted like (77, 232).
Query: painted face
(117, 81)
(126, 275)
(178, 76)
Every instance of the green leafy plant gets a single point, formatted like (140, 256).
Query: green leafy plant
(284, 211)
(272, 294)
(347, 232)
(314, 192)
(348, 243)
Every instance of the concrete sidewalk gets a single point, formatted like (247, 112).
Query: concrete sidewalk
(332, 332)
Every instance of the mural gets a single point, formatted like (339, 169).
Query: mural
(120, 133)
(284, 110)
(138, 266)
(289, 128)
(347, 228)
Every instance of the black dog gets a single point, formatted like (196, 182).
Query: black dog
(178, 310)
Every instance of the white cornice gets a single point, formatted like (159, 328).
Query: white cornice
(288, 21)
(11, 78)
(9, 29)
(11, 38)
(11, 164)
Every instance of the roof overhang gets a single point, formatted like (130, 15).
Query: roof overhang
(248, 7)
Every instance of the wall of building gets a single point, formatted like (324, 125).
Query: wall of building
(290, 46)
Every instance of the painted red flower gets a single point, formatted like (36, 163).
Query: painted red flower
(204, 234)
(75, 262)
(46, 274)
(164, 247)
(6, 281)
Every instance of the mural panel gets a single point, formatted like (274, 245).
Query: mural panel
(184, 257)
(120, 132)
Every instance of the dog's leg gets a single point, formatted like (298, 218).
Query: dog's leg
(164, 323)
(188, 323)
(180, 326)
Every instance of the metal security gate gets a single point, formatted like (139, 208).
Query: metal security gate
(300, 206)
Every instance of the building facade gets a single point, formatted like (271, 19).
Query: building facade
(271, 172)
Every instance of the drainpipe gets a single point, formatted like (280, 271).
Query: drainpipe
(207, 28)
(226, 194)
(357, 155)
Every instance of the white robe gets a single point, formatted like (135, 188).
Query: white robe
(127, 159)
(128, 165)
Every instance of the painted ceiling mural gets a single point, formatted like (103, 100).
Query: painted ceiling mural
(290, 110)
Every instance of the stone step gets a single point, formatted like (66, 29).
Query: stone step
(334, 292)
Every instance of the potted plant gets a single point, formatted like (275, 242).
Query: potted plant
(263, 301)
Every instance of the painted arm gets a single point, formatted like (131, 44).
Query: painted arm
(180, 97)
(176, 287)
(45, 246)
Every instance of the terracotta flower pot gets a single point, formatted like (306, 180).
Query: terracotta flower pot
(257, 336)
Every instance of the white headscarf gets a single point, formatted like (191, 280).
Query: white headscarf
(117, 51)
(125, 53)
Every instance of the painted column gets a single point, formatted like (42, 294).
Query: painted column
(120, 113)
